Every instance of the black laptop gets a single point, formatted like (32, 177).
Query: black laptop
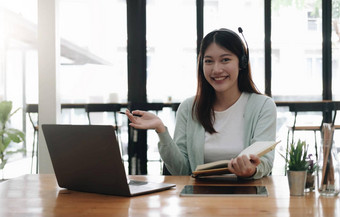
(87, 158)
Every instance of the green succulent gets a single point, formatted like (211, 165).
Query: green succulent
(7, 134)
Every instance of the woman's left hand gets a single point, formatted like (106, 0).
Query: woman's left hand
(243, 166)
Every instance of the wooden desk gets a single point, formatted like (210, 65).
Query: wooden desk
(39, 195)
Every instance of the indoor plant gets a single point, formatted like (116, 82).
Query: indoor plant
(8, 135)
(310, 181)
(297, 167)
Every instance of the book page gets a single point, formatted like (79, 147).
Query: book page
(259, 148)
(213, 165)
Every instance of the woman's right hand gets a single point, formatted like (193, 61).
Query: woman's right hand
(145, 120)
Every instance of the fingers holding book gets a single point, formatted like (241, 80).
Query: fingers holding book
(250, 160)
(244, 166)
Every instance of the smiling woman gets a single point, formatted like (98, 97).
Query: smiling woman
(219, 95)
(227, 114)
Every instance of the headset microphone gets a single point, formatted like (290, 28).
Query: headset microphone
(245, 58)
(240, 30)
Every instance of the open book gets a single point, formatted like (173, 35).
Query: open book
(221, 167)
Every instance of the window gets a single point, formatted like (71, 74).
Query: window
(93, 57)
(171, 50)
(297, 51)
(95, 70)
(336, 49)
(18, 68)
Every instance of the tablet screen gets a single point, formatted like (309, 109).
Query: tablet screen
(214, 190)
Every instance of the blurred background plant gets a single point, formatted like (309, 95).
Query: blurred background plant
(8, 135)
(312, 164)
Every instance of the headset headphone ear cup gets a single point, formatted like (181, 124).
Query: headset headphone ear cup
(243, 62)
(200, 65)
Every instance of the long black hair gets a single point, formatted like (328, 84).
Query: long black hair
(205, 95)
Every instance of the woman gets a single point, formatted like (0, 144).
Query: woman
(227, 114)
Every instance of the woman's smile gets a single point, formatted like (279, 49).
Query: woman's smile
(220, 78)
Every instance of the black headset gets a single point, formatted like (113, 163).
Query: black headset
(245, 57)
(243, 60)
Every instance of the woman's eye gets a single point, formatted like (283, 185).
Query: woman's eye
(207, 61)
(225, 60)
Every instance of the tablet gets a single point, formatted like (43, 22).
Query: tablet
(216, 190)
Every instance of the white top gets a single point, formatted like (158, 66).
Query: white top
(228, 142)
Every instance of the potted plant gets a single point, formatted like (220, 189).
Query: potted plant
(297, 167)
(310, 180)
(8, 135)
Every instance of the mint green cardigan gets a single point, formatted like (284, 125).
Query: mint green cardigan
(184, 152)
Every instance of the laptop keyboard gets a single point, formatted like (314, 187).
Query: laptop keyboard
(134, 182)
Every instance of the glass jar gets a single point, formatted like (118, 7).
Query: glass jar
(328, 165)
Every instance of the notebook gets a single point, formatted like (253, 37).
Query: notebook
(87, 158)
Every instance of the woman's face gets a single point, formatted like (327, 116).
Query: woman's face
(221, 69)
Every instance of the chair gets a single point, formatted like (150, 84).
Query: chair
(33, 109)
(138, 146)
(109, 107)
(322, 106)
(174, 107)
(304, 107)
(165, 171)
(335, 107)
